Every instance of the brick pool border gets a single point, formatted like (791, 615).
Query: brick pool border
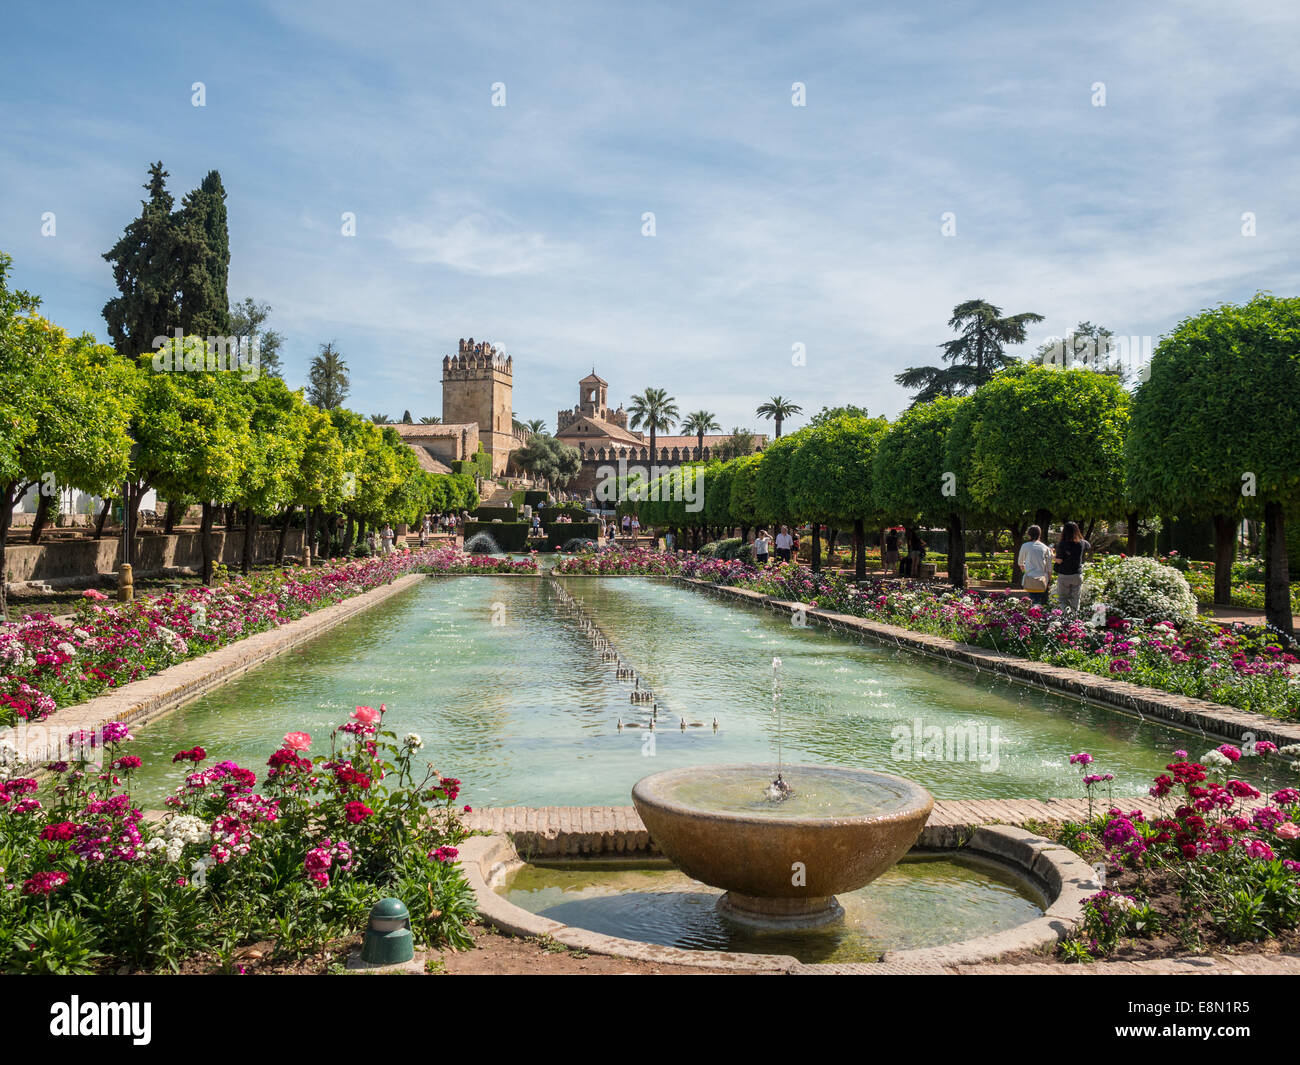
(1195, 715)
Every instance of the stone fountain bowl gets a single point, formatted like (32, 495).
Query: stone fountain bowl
(782, 863)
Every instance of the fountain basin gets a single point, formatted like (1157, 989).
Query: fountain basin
(781, 863)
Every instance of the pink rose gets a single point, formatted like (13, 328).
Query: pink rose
(297, 741)
(367, 715)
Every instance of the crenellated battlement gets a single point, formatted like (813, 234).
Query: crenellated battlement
(473, 358)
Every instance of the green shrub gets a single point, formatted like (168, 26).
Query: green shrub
(509, 535)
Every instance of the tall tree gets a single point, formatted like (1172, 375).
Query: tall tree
(974, 355)
(700, 422)
(656, 410)
(205, 260)
(248, 323)
(147, 269)
(741, 442)
(327, 380)
(1088, 347)
(778, 409)
(406, 418)
(431, 419)
(1215, 433)
(914, 481)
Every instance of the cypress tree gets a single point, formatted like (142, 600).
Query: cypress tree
(205, 260)
(147, 270)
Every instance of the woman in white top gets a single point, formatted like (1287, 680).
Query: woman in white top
(1035, 559)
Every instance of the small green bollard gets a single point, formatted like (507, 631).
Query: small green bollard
(388, 934)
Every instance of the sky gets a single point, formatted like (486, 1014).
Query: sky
(775, 225)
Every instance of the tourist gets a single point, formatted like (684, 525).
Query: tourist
(760, 548)
(1069, 566)
(636, 527)
(784, 544)
(915, 552)
(425, 530)
(371, 546)
(627, 525)
(891, 553)
(1035, 560)
(388, 538)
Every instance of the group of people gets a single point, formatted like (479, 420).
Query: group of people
(783, 545)
(381, 541)
(895, 563)
(1037, 560)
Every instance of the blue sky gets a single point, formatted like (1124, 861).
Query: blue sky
(775, 225)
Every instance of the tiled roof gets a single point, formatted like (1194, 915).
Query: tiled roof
(437, 429)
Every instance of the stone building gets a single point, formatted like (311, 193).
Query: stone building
(477, 386)
(602, 436)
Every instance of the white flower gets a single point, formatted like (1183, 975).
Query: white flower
(413, 741)
(1215, 759)
(185, 828)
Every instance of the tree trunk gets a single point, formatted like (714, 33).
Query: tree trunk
(103, 517)
(1017, 534)
(7, 494)
(956, 551)
(1132, 532)
(859, 549)
(205, 542)
(309, 531)
(284, 534)
(1043, 519)
(42, 516)
(832, 535)
(1225, 554)
(1088, 533)
(170, 527)
(816, 547)
(135, 493)
(250, 547)
(1277, 586)
(347, 538)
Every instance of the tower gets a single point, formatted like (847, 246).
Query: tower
(477, 387)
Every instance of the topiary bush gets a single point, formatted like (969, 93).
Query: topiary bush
(1138, 587)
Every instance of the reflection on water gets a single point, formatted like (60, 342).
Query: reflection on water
(921, 902)
(512, 699)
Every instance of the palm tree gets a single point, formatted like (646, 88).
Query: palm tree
(537, 425)
(976, 353)
(381, 419)
(655, 409)
(327, 380)
(431, 419)
(779, 409)
(700, 422)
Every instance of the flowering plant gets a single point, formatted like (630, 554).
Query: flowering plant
(298, 857)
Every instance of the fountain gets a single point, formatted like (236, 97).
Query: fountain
(782, 848)
(481, 543)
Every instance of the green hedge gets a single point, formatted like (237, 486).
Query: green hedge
(477, 465)
(506, 514)
(559, 533)
(574, 510)
(530, 498)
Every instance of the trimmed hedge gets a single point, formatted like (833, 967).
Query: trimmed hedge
(560, 533)
(506, 514)
(530, 498)
(477, 465)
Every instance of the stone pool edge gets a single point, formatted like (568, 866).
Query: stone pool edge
(168, 690)
(1061, 876)
(1223, 722)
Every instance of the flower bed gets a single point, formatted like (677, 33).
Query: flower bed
(1247, 582)
(1220, 864)
(453, 560)
(635, 562)
(88, 885)
(1246, 667)
(45, 665)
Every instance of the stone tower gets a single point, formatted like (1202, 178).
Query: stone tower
(477, 385)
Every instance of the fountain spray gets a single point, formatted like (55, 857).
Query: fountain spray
(778, 790)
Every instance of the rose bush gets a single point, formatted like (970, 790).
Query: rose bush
(45, 664)
(88, 883)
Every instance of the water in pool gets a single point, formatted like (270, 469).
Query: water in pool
(511, 698)
(922, 902)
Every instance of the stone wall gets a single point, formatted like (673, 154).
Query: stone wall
(77, 561)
